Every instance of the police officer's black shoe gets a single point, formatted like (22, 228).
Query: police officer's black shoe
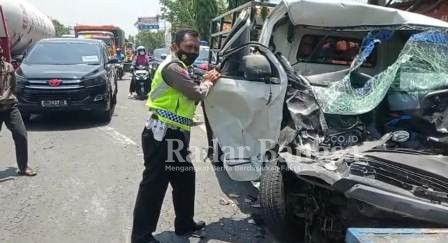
(196, 227)
(153, 240)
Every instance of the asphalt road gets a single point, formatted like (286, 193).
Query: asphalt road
(88, 180)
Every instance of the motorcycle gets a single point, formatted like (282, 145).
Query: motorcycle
(119, 67)
(142, 80)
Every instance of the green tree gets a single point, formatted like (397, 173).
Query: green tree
(195, 14)
(205, 11)
(131, 38)
(222, 6)
(180, 13)
(60, 28)
(150, 40)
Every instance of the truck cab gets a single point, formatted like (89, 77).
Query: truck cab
(113, 36)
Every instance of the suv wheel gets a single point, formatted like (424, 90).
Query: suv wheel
(106, 116)
(273, 200)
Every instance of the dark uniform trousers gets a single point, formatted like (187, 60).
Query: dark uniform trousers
(14, 123)
(156, 176)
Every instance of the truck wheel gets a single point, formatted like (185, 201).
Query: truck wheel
(274, 203)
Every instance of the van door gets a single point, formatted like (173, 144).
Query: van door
(244, 113)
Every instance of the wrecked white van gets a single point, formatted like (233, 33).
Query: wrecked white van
(339, 110)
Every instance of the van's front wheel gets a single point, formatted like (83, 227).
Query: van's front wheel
(276, 213)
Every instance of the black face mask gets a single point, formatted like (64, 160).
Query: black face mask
(187, 58)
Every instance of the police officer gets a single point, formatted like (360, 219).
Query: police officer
(10, 115)
(165, 139)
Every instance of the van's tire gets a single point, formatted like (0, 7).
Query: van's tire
(273, 202)
(217, 157)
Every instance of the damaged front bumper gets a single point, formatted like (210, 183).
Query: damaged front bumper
(409, 206)
(390, 186)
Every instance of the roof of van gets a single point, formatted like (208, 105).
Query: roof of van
(350, 13)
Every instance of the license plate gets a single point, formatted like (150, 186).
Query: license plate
(54, 103)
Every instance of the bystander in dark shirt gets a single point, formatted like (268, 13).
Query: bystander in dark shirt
(7, 86)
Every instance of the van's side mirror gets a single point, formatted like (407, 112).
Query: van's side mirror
(256, 68)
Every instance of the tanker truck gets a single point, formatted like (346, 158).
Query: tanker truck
(21, 25)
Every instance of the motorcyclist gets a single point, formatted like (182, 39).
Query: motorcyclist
(119, 55)
(140, 59)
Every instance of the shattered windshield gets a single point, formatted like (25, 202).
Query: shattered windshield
(420, 67)
(426, 70)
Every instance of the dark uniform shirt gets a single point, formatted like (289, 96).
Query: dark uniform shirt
(180, 79)
(7, 86)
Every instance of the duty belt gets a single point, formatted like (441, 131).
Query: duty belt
(175, 118)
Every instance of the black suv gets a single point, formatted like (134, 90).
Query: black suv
(67, 75)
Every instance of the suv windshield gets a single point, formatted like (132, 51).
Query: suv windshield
(53, 53)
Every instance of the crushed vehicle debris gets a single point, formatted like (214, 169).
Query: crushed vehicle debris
(358, 109)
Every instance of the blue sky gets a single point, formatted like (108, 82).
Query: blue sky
(122, 13)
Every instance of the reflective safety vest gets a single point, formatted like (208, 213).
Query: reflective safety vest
(170, 105)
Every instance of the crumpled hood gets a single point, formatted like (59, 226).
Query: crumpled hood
(58, 71)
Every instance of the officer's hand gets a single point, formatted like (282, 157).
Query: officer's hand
(212, 76)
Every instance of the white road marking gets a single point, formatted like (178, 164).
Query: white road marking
(117, 136)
